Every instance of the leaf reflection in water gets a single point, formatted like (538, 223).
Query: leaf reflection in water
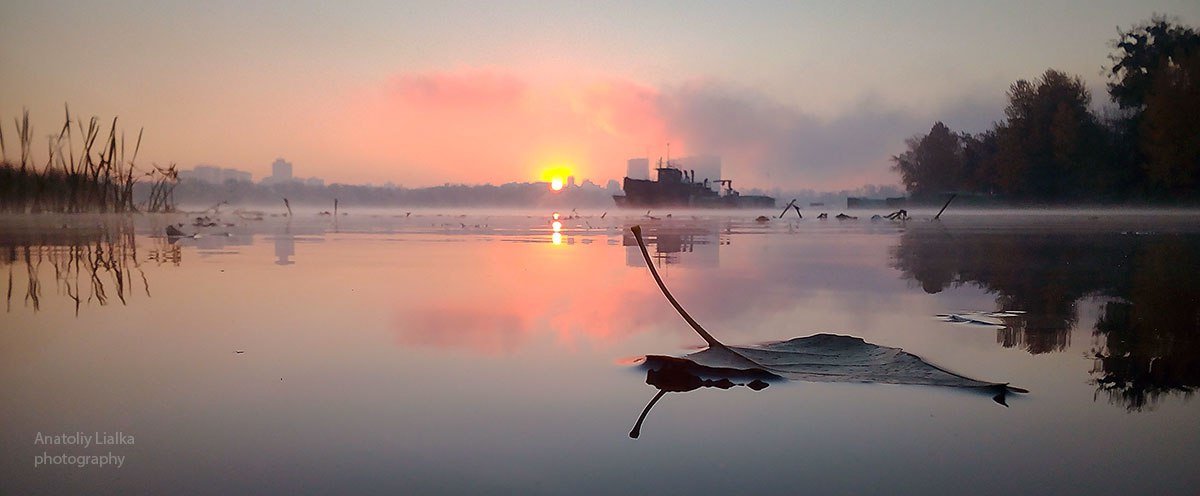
(817, 358)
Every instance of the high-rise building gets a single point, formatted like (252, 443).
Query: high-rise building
(281, 170)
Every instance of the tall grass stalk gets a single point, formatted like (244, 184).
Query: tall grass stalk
(86, 170)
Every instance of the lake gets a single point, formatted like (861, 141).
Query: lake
(483, 351)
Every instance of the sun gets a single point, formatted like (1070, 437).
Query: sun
(556, 174)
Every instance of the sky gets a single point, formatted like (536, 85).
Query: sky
(790, 94)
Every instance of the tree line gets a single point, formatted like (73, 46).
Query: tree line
(1052, 147)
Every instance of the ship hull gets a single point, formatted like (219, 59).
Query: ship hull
(641, 193)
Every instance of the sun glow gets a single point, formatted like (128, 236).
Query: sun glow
(556, 175)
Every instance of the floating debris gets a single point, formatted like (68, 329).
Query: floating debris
(948, 200)
(966, 319)
(1001, 319)
(791, 204)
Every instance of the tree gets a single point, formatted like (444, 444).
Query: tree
(1051, 146)
(1170, 129)
(932, 164)
(1143, 53)
(1156, 67)
(979, 161)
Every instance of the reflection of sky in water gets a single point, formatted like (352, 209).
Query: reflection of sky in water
(434, 356)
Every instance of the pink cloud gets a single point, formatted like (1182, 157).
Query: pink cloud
(473, 125)
(471, 88)
(482, 125)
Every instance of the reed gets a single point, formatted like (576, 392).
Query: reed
(86, 170)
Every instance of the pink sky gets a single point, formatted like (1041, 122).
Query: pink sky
(792, 95)
(488, 125)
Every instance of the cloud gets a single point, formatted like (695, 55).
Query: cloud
(473, 88)
(771, 142)
(780, 143)
(488, 125)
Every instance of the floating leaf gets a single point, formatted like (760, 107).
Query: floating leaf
(835, 358)
(817, 358)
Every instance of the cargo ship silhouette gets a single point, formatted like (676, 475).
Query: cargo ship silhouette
(677, 187)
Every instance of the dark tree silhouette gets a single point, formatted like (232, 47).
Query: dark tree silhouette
(933, 162)
(1170, 129)
(1052, 148)
(1143, 53)
(1050, 144)
(1154, 77)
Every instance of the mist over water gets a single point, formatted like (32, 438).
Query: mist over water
(488, 350)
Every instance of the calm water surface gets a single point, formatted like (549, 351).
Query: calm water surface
(483, 351)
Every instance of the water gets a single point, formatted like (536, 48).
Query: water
(481, 351)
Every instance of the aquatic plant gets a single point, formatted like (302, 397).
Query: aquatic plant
(86, 170)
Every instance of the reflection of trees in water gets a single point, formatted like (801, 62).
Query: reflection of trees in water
(90, 265)
(1043, 274)
(1152, 334)
(1148, 336)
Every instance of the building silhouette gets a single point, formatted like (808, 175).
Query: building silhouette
(282, 172)
(214, 175)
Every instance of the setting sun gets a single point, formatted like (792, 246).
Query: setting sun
(557, 175)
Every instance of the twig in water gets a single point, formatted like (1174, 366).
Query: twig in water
(789, 205)
(939, 214)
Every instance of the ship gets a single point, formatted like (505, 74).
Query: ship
(677, 187)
